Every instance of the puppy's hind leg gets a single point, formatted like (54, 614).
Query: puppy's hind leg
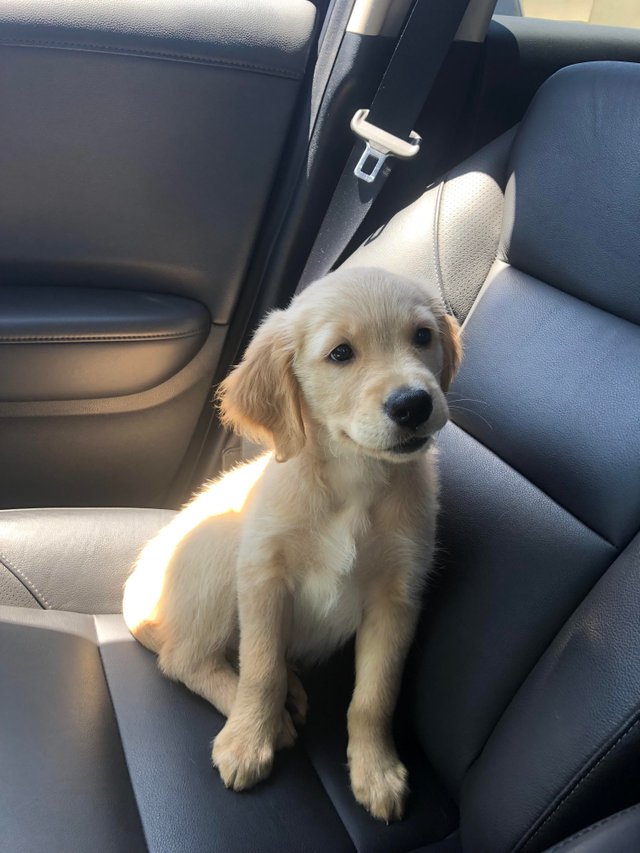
(213, 678)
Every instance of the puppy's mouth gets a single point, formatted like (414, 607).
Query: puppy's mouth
(410, 445)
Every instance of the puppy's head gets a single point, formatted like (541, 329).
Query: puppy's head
(362, 357)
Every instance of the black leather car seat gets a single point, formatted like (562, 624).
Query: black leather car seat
(519, 717)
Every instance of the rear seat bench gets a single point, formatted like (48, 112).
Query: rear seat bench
(522, 696)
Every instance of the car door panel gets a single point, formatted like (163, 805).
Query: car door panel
(140, 144)
(148, 167)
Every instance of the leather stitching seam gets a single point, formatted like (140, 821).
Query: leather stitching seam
(134, 336)
(33, 589)
(234, 64)
(575, 785)
(435, 239)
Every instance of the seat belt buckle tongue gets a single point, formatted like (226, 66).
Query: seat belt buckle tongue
(379, 146)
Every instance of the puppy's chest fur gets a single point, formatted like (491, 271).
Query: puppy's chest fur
(328, 595)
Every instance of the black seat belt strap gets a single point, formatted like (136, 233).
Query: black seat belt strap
(386, 128)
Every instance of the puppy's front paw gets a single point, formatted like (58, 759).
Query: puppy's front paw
(241, 758)
(379, 782)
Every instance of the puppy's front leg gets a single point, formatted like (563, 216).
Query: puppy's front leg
(378, 777)
(243, 751)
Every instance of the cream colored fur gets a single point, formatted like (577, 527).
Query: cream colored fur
(330, 534)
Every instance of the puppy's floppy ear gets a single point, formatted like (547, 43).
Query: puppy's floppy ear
(451, 349)
(260, 398)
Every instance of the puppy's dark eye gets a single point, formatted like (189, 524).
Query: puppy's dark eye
(423, 337)
(343, 352)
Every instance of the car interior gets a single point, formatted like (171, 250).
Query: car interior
(167, 170)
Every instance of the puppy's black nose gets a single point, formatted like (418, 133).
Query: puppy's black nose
(409, 407)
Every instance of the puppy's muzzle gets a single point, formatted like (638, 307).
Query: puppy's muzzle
(409, 407)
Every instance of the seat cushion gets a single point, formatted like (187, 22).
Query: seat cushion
(99, 751)
(64, 783)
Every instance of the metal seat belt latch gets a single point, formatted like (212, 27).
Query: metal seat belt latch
(380, 145)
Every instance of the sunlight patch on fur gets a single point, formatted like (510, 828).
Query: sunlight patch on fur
(145, 586)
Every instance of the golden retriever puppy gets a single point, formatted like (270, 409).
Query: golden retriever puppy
(331, 534)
